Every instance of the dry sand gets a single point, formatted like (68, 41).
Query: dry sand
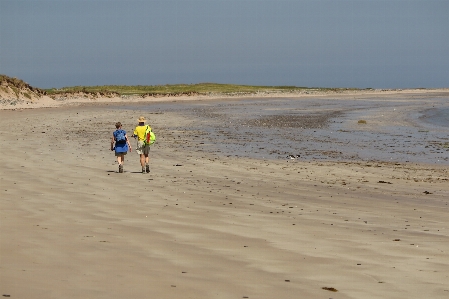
(205, 225)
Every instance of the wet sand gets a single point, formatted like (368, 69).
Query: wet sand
(226, 212)
(391, 129)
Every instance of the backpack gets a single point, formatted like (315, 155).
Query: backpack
(150, 137)
(120, 136)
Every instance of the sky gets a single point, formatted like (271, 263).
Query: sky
(304, 43)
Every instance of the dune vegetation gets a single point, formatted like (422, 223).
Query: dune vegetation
(180, 89)
(162, 90)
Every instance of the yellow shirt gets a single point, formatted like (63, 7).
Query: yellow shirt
(139, 131)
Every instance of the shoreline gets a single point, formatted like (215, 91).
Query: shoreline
(47, 102)
(397, 117)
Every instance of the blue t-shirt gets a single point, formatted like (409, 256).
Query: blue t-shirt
(120, 145)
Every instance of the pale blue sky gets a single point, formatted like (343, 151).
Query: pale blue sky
(313, 43)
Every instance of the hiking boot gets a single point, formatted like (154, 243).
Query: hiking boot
(147, 168)
(120, 168)
(143, 170)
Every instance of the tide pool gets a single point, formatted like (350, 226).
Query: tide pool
(437, 117)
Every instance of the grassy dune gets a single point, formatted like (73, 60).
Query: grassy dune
(200, 88)
(171, 89)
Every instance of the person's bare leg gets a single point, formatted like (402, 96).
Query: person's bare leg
(142, 162)
(147, 167)
(120, 160)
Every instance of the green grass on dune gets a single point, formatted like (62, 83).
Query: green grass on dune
(171, 89)
(200, 88)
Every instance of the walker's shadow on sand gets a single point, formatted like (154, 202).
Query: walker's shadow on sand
(131, 172)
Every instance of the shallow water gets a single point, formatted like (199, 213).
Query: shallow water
(396, 129)
(436, 116)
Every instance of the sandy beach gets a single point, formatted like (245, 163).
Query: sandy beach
(257, 197)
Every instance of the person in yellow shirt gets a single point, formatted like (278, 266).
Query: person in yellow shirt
(142, 149)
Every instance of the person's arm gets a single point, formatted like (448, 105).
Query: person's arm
(129, 144)
(112, 142)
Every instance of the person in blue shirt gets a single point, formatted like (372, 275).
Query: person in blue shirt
(120, 143)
